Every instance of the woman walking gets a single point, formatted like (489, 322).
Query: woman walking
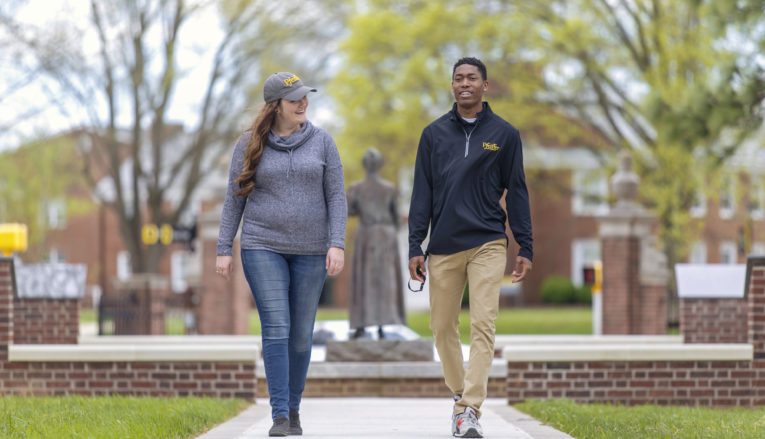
(286, 188)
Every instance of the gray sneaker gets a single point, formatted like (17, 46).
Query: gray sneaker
(280, 428)
(466, 424)
(295, 428)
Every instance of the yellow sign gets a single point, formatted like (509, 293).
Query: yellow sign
(149, 234)
(597, 287)
(13, 238)
(166, 234)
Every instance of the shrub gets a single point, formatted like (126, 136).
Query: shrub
(558, 290)
(583, 294)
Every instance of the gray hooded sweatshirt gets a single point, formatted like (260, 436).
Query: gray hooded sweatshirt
(298, 204)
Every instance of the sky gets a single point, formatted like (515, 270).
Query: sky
(199, 36)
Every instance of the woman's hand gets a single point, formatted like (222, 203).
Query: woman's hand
(223, 266)
(335, 261)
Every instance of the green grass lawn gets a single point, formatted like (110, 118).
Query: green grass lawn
(111, 417)
(584, 421)
(552, 320)
(541, 320)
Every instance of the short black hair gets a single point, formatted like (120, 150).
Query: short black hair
(473, 62)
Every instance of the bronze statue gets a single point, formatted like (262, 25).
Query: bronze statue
(376, 297)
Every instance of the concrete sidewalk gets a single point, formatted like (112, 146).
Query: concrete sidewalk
(380, 418)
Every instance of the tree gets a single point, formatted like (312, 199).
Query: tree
(396, 69)
(125, 89)
(679, 83)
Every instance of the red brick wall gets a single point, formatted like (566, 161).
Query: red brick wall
(621, 271)
(46, 321)
(387, 387)
(652, 310)
(713, 320)
(756, 311)
(6, 306)
(695, 383)
(698, 383)
(222, 380)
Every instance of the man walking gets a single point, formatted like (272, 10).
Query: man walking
(466, 159)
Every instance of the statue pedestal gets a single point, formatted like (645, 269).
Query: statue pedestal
(379, 350)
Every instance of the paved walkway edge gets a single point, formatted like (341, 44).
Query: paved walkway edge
(530, 425)
(237, 425)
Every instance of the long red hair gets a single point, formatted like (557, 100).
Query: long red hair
(260, 129)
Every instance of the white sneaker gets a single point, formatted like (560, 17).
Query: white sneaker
(466, 424)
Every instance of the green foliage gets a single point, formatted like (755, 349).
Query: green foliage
(583, 294)
(664, 79)
(558, 290)
(36, 173)
(396, 74)
(114, 416)
(587, 421)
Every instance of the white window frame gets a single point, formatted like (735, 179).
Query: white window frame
(757, 191)
(698, 253)
(55, 214)
(179, 264)
(758, 248)
(584, 252)
(589, 182)
(699, 207)
(729, 186)
(124, 267)
(729, 251)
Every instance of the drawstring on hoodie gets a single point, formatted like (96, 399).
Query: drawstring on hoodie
(292, 142)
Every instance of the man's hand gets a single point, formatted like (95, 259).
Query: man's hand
(223, 266)
(335, 261)
(414, 263)
(522, 267)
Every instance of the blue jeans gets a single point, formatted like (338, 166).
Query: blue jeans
(286, 289)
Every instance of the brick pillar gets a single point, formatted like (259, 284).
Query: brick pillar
(7, 294)
(224, 304)
(146, 292)
(634, 272)
(755, 287)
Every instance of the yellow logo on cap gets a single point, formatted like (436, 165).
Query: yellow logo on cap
(490, 146)
(291, 80)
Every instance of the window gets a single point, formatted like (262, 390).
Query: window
(756, 199)
(699, 206)
(727, 198)
(590, 192)
(758, 249)
(584, 253)
(728, 252)
(124, 267)
(55, 256)
(179, 262)
(698, 254)
(55, 212)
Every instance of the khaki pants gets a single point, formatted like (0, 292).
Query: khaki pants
(482, 268)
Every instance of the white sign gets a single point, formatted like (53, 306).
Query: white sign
(710, 281)
(50, 281)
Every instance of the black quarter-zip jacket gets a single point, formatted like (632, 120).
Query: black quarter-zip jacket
(460, 173)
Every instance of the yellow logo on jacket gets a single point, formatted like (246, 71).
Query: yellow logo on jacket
(490, 146)
(291, 80)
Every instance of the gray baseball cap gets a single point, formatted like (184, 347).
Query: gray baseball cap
(285, 85)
